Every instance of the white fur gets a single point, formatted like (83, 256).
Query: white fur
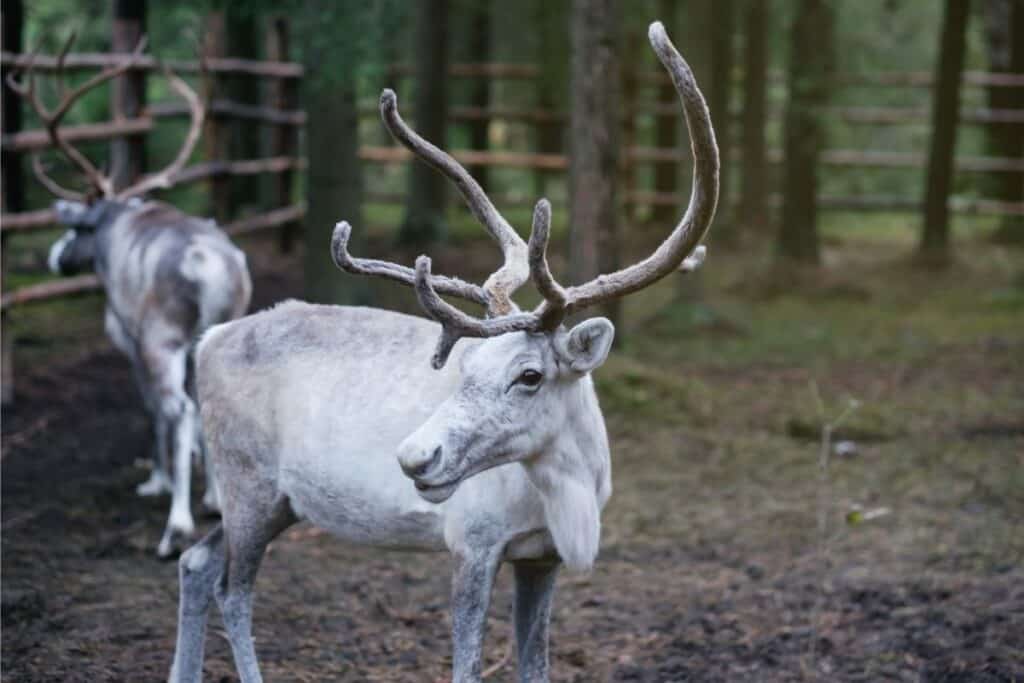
(53, 260)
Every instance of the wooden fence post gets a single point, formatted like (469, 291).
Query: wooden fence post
(629, 110)
(128, 94)
(282, 94)
(215, 138)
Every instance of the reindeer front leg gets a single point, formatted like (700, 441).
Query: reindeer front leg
(535, 587)
(472, 582)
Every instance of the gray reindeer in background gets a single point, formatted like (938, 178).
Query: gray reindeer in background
(167, 276)
(325, 414)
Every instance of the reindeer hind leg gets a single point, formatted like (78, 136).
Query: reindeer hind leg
(250, 528)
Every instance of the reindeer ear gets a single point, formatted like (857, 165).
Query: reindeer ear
(585, 347)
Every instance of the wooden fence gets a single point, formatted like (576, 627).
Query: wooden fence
(278, 111)
(638, 102)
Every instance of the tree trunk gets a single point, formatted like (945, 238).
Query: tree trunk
(666, 134)
(284, 139)
(12, 16)
(480, 88)
(810, 65)
(128, 93)
(243, 38)
(755, 73)
(722, 31)
(12, 23)
(594, 145)
(1004, 29)
(934, 245)
(333, 180)
(424, 218)
(215, 134)
(551, 22)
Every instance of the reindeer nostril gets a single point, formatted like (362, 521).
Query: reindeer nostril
(421, 468)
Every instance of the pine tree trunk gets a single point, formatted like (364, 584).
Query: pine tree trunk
(333, 180)
(424, 218)
(594, 144)
(244, 41)
(215, 134)
(720, 86)
(551, 22)
(12, 177)
(934, 245)
(12, 15)
(480, 89)
(666, 136)
(753, 216)
(810, 64)
(1004, 24)
(128, 93)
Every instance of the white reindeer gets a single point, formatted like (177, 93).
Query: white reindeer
(167, 276)
(305, 407)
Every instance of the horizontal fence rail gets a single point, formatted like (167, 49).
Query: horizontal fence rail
(44, 219)
(226, 66)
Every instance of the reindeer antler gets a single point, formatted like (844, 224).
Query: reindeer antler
(511, 276)
(680, 250)
(165, 178)
(51, 119)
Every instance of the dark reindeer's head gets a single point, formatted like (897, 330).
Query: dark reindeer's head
(525, 389)
(75, 251)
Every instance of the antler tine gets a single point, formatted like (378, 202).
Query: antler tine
(393, 271)
(165, 178)
(51, 184)
(455, 324)
(703, 198)
(61, 85)
(514, 272)
(552, 311)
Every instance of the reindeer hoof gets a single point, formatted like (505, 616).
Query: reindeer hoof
(156, 485)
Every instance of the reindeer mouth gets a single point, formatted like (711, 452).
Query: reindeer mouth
(436, 493)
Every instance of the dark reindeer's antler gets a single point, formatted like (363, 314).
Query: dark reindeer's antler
(166, 177)
(51, 120)
(680, 251)
(101, 184)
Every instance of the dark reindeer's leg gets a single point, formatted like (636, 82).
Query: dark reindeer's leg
(199, 570)
(250, 526)
(159, 477)
(472, 582)
(164, 357)
(535, 587)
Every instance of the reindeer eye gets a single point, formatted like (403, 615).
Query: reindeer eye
(530, 378)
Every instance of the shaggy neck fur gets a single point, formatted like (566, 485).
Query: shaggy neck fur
(574, 479)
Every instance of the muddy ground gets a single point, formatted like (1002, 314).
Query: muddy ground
(713, 566)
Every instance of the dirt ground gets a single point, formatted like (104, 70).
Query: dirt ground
(714, 566)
